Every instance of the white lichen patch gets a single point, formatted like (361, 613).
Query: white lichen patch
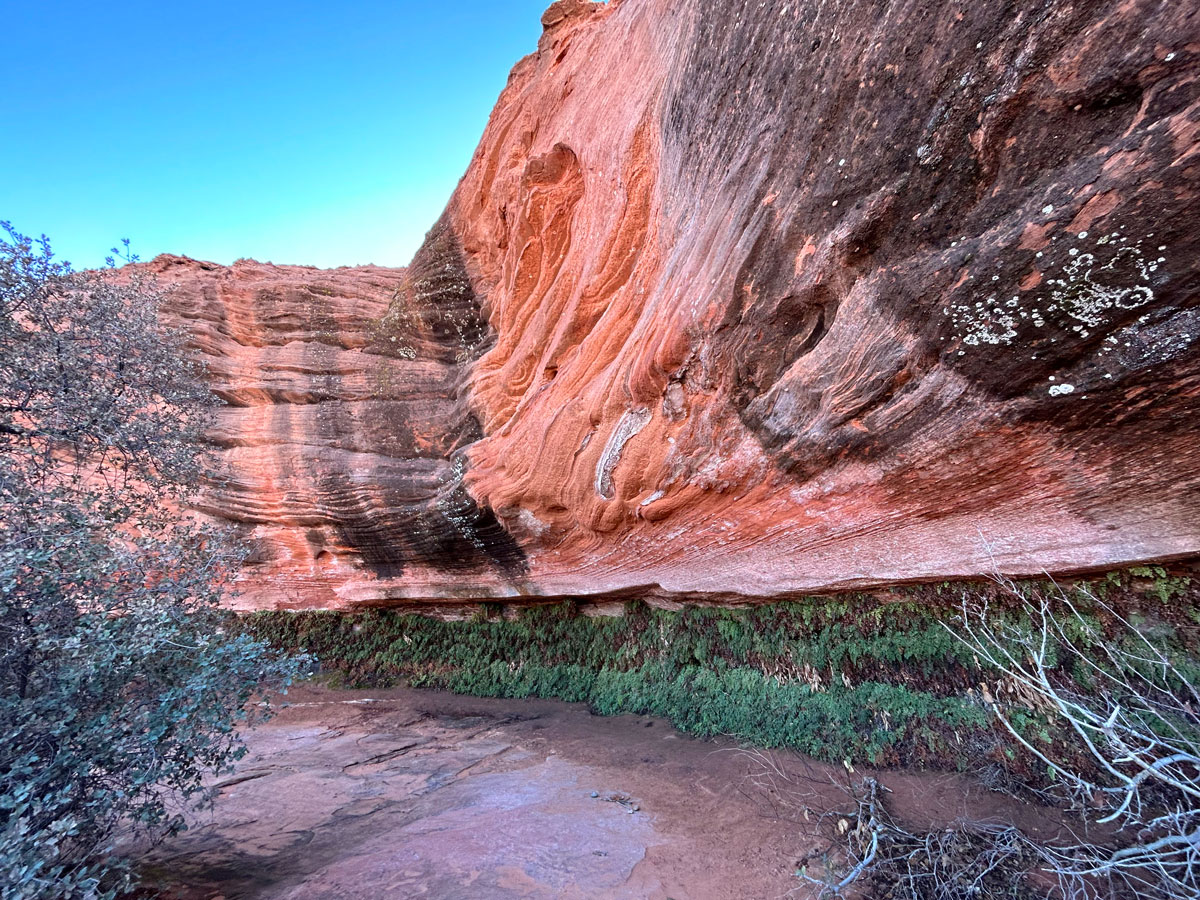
(1145, 343)
(1089, 291)
(988, 321)
(452, 508)
(1095, 284)
(1059, 390)
(531, 523)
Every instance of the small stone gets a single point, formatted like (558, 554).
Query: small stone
(595, 794)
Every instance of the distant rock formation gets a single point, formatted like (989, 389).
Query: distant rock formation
(745, 299)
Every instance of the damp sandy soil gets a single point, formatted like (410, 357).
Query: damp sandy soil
(402, 793)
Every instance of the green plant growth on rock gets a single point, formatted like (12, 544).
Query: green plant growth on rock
(846, 678)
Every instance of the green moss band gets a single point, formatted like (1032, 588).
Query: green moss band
(842, 678)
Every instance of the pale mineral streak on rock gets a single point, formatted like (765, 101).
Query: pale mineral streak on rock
(633, 421)
(846, 264)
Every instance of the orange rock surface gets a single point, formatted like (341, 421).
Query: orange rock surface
(743, 300)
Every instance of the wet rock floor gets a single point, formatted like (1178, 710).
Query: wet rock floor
(399, 793)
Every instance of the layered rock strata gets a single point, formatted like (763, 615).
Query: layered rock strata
(748, 299)
(342, 411)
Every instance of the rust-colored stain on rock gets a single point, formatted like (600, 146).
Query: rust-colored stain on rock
(743, 300)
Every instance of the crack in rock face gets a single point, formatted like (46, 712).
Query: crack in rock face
(742, 300)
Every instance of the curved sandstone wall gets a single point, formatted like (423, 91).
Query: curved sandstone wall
(748, 299)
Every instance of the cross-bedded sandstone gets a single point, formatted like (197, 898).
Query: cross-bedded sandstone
(746, 299)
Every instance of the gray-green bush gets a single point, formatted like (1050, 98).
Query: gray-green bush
(120, 685)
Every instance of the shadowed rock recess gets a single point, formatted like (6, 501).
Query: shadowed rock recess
(745, 300)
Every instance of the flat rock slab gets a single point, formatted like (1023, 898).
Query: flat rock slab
(414, 794)
(402, 793)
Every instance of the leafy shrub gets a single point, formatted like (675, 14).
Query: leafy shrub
(120, 684)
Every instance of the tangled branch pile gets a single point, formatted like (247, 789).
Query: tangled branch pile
(888, 861)
(1131, 717)
(1120, 751)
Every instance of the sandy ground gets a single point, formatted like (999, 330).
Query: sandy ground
(400, 793)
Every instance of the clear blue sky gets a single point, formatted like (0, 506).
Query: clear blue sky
(299, 132)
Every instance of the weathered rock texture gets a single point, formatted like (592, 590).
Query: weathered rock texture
(752, 298)
(341, 417)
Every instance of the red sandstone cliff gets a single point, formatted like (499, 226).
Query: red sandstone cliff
(748, 299)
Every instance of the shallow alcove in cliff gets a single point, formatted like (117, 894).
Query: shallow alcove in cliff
(749, 299)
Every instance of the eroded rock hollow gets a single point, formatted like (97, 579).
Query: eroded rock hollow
(746, 299)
